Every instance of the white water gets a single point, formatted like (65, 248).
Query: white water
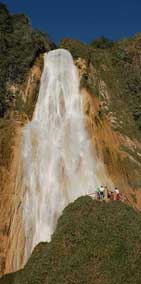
(59, 165)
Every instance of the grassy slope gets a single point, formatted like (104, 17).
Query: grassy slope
(94, 243)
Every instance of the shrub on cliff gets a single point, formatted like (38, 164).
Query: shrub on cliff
(102, 43)
(76, 48)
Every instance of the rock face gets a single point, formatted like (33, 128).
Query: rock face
(12, 240)
(26, 93)
(116, 147)
(20, 45)
(108, 143)
(11, 231)
(111, 86)
(94, 242)
(115, 150)
(21, 63)
(111, 100)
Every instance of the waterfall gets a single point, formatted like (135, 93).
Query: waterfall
(58, 162)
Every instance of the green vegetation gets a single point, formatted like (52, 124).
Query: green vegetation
(76, 48)
(20, 45)
(102, 43)
(135, 154)
(118, 65)
(93, 243)
(134, 198)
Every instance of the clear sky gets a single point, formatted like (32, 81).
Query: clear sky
(81, 19)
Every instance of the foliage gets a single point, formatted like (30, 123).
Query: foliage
(93, 243)
(20, 45)
(102, 43)
(76, 48)
(118, 65)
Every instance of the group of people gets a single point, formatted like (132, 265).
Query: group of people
(103, 193)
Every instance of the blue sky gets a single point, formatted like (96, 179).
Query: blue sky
(81, 19)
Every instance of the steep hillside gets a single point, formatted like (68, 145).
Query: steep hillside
(94, 242)
(20, 46)
(117, 71)
(111, 79)
(21, 62)
(111, 84)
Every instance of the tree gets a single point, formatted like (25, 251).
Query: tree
(102, 43)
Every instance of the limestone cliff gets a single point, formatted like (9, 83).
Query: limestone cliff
(113, 112)
(21, 63)
(11, 227)
(111, 86)
(11, 231)
(117, 151)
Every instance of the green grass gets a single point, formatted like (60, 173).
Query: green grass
(94, 243)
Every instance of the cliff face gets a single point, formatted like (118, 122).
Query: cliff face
(111, 86)
(113, 75)
(21, 63)
(112, 109)
(11, 231)
(20, 45)
(115, 150)
(11, 194)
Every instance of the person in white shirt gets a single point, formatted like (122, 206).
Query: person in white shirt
(116, 190)
(102, 192)
(117, 194)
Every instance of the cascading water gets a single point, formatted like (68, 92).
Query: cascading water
(59, 165)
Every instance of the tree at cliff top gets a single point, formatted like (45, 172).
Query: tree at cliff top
(102, 43)
(94, 242)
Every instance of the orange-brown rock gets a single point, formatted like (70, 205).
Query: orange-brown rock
(12, 239)
(118, 152)
(113, 149)
(11, 227)
(25, 95)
